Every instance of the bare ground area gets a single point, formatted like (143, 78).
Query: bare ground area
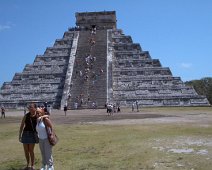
(200, 116)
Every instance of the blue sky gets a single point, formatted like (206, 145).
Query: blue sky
(177, 32)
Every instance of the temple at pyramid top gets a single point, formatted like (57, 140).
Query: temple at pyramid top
(95, 63)
(102, 20)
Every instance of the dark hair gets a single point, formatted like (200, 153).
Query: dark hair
(32, 104)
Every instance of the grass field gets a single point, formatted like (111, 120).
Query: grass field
(147, 146)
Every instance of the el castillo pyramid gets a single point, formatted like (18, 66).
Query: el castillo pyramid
(96, 63)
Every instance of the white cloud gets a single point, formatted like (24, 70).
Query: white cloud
(4, 27)
(186, 65)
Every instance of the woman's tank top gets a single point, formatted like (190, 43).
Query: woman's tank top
(30, 123)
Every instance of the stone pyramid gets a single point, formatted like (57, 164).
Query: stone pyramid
(95, 63)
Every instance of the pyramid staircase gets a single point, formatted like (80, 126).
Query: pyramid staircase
(89, 80)
(116, 71)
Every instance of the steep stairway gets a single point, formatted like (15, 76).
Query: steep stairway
(89, 75)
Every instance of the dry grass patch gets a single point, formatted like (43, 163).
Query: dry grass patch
(155, 146)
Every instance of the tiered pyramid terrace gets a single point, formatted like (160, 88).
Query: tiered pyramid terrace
(100, 67)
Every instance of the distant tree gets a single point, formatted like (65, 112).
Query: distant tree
(202, 87)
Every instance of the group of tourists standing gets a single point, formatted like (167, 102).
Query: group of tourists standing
(112, 108)
(135, 104)
(36, 124)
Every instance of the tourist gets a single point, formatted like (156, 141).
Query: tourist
(25, 110)
(49, 109)
(69, 95)
(92, 41)
(65, 109)
(137, 106)
(110, 109)
(76, 74)
(133, 106)
(75, 105)
(2, 112)
(81, 101)
(114, 108)
(94, 105)
(45, 147)
(88, 98)
(80, 72)
(45, 108)
(27, 135)
(118, 109)
(93, 30)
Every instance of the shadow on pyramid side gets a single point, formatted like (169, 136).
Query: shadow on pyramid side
(93, 64)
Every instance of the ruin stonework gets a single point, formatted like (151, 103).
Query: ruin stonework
(95, 63)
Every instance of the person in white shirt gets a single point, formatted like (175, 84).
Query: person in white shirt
(45, 147)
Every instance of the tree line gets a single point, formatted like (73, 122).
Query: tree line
(202, 87)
